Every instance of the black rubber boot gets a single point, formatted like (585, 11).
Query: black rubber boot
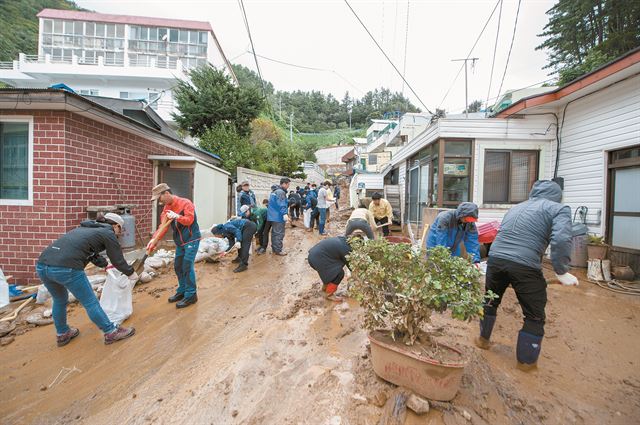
(528, 350)
(486, 327)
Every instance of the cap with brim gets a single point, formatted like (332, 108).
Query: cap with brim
(244, 208)
(245, 183)
(157, 191)
(114, 218)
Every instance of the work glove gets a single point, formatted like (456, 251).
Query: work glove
(567, 279)
(133, 277)
(286, 218)
(237, 245)
(151, 245)
(172, 215)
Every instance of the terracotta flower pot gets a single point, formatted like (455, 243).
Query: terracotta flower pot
(430, 378)
(597, 252)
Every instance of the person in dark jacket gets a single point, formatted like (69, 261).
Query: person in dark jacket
(277, 216)
(240, 233)
(61, 269)
(295, 202)
(451, 228)
(329, 257)
(247, 197)
(336, 196)
(186, 235)
(312, 203)
(515, 259)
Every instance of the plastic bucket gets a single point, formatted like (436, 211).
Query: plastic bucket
(397, 239)
(424, 376)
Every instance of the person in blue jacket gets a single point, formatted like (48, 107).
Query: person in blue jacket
(312, 203)
(247, 197)
(277, 216)
(450, 228)
(240, 233)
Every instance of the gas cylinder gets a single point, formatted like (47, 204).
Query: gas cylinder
(128, 236)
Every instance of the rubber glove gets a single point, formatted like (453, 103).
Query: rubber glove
(172, 215)
(567, 279)
(151, 245)
(237, 245)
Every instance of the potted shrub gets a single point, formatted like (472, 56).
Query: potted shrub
(596, 248)
(399, 288)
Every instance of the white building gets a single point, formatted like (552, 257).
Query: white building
(127, 57)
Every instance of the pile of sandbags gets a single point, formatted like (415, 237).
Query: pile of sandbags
(211, 247)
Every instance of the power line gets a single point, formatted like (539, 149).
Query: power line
(495, 50)
(513, 37)
(310, 68)
(470, 52)
(246, 24)
(387, 57)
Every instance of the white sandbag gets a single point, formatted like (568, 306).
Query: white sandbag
(163, 253)
(97, 279)
(4, 290)
(307, 218)
(117, 298)
(213, 245)
(155, 262)
(146, 277)
(201, 256)
(43, 295)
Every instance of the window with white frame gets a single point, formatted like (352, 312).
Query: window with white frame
(509, 175)
(15, 160)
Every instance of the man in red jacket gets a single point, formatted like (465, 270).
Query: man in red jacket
(186, 235)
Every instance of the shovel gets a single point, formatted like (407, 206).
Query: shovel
(138, 265)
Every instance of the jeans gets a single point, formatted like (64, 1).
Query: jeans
(59, 281)
(277, 236)
(529, 285)
(359, 224)
(323, 220)
(185, 270)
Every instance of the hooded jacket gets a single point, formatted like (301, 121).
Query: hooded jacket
(529, 227)
(447, 231)
(232, 230)
(82, 245)
(278, 206)
(185, 228)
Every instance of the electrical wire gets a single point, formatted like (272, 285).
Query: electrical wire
(513, 37)
(470, 52)
(493, 62)
(310, 68)
(246, 24)
(387, 57)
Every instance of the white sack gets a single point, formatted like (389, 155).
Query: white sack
(117, 298)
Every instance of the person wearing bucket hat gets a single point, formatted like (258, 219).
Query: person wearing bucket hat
(61, 269)
(453, 227)
(186, 235)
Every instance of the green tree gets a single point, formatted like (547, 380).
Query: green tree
(234, 149)
(474, 106)
(19, 25)
(582, 35)
(210, 98)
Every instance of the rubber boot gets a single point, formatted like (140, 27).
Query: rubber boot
(486, 327)
(331, 292)
(528, 350)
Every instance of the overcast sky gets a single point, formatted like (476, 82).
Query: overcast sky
(325, 34)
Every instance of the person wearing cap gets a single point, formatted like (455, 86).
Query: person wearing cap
(382, 212)
(277, 216)
(515, 260)
(323, 204)
(61, 269)
(239, 233)
(247, 197)
(453, 227)
(186, 235)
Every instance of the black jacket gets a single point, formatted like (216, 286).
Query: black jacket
(82, 245)
(328, 257)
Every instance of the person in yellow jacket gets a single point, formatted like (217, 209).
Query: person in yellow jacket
(382, 212)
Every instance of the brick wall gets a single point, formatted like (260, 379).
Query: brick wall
(77, 162)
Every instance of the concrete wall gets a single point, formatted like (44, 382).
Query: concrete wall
(261, 182)
(331, 155)
(210, 193)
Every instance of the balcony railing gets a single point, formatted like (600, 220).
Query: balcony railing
(24, 60)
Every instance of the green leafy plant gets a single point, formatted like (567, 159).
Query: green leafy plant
(593, 239)
(399, 288)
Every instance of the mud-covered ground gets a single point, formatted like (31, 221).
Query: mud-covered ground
(264, 347)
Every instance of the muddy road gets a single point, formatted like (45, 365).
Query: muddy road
(264, 347)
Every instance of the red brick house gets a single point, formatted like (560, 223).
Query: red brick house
(61, 153)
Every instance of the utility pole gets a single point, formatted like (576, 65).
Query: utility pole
(291, 127)
(466, 87)
(350, 118)
(280, 102)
